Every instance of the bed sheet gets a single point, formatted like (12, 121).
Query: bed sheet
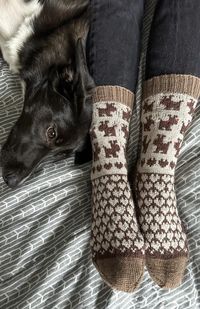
(45, 260)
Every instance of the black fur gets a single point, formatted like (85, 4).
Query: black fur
(58, 89)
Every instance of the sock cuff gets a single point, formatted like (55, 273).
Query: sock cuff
(115, 94)
(187, 84)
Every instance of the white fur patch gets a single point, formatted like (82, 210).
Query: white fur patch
(16, 19)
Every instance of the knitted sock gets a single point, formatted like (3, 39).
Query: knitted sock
(168, 106)
(117, 244)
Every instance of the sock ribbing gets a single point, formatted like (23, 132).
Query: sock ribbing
(115, 94)
(184, 84)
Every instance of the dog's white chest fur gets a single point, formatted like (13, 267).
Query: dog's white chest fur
(16, 27)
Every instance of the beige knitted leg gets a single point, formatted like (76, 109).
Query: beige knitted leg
(168, 106)
(117, 244)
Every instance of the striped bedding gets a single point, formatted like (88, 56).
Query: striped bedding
(45, 258)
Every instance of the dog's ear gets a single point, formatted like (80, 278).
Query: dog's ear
(74, 81)
(83, 83)
(61, 80)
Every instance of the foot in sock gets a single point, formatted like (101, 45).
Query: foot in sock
(117, 244)
(168, 107)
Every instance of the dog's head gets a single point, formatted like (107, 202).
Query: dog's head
(56, 114)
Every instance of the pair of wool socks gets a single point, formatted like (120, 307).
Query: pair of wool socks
(121, 242)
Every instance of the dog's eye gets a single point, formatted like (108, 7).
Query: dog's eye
(51, 133)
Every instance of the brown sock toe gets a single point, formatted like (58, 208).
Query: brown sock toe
(121, 273)
(167, 273)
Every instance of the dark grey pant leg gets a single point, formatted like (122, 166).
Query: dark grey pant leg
(174, 44)
(113, 47)
(114, 42)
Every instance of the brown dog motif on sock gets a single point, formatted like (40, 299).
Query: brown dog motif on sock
(117, 244)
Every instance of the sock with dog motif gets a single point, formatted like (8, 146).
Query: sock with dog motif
(117, 244)
(168, 106)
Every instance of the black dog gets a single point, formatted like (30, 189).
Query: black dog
(48, 51)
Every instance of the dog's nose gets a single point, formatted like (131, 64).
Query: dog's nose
(11, 180)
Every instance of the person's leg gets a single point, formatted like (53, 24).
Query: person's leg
(170, 95)
(114, 43)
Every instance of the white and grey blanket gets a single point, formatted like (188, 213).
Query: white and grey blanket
(45, 260)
